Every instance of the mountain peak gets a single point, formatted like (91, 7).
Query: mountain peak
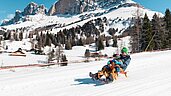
(32, 3)
(66, 7)
(80, 6)
(31, 9)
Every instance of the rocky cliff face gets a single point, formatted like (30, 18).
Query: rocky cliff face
(80, 6)
(70, 7)
(31, 9)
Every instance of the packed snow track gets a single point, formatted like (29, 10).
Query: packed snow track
(149, 75)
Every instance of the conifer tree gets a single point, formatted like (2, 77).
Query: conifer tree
(107, 42)
(157, 31)
(80, 42)
(135, 35)
(100, 44)
(136, 31)
(167, 19)
(43, 36)
(39, 41)
(51, 55)
(64, 60)
(58, 53)
(68, 45)
(30, 35)
(21, 36)
(87, 54)
(114, 42)
(146, 35)
(48, 40)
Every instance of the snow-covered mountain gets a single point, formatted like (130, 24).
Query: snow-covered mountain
(31, 9)
(72, 13)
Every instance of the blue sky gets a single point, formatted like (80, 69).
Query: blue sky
(156, 5)
(8, 7)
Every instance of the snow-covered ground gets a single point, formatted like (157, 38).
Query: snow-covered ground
(149, 75)
(6, 60)
(74, 55)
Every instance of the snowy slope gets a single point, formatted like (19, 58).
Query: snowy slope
(117, 18)
(149, 75)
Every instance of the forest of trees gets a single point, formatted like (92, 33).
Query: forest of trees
(150, 35)
(75, 36)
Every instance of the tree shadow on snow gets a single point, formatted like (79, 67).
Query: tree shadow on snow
(88, 81)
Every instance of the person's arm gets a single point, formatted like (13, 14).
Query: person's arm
(119, 62)
(126, 61)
